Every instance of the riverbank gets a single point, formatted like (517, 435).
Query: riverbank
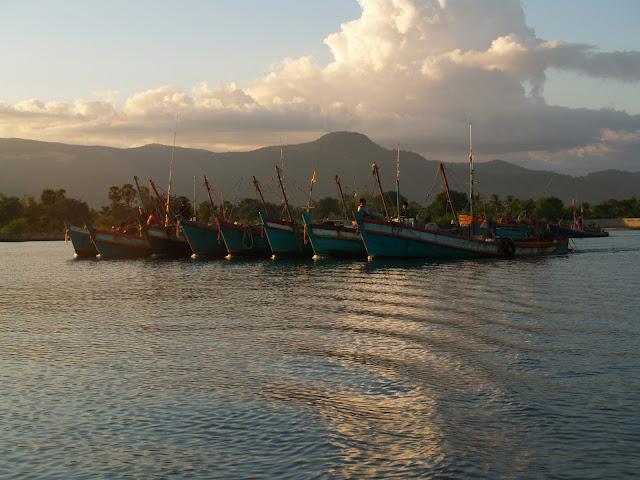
(623, 223)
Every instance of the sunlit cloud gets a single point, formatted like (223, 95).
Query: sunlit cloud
(405, 71)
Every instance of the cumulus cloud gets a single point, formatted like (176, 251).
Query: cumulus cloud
(409, 71)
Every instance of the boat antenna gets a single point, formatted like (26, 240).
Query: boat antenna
(344, 201)
(284, 194)
(398, 182)
(173, 149)
(376, 173)
(471, 228)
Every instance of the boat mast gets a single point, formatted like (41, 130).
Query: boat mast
(344, 202)
(376, 173)
(135, 179)
(284, 194)
(256, 184)
(195, 205)
(173, 149)
(213, 205)
(445, 182)
(471, 228)
(158, 196)
(398, 182)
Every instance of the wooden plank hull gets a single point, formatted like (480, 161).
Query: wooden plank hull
(566, 232)
(385, 239)
(113, 245)
(81, 241)
(204, 240)
(286, 239)
(330, 240)
(244, 240)
(165, 242)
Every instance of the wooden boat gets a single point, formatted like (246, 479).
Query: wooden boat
(286, 237)
(334, 239)
(388, 239)
(244, 240)
(204, 239)
(560, 231)
(165, 241)
(81, 241)
(113, 244)
(402, 238)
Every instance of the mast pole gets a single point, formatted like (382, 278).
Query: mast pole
(173, 149)
(344, 202)
(157, 194)
(398, 182)
(195, 205)
(213, 205)
(376, 173)
(445, 181)
(256, 184)
(135, 179)
(471, 228)
(284, 194)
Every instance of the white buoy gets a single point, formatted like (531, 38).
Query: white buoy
(315, 257)
(370, 258)
(194, 256)
(273, 257)
(228, 256)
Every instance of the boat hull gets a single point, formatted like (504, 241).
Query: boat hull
(286, 239)
(113, 245)
(385, 239)
(244, 240)
(165, 242)
(566, 232)
(204, 240)
(81, 241)
(331, 240)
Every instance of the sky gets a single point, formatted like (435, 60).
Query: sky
(547, 84)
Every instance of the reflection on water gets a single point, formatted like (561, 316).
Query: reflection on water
(236, 369)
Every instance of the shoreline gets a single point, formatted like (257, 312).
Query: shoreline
(31, 237)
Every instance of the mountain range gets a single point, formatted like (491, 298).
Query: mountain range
(87, 172)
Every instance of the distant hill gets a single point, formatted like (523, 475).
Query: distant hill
(86, 172)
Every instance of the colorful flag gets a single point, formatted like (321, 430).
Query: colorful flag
(314, 179)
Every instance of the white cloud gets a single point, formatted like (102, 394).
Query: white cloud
(407, 70)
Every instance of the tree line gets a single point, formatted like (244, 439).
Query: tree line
(47, 213)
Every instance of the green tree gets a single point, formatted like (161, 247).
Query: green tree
(549, 208)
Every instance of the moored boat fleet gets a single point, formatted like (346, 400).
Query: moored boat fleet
(359, 234)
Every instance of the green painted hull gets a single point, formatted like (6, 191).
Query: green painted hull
(205, 240)
(81, 241)
(244, 240)
(286, 239)
(331, 240)
(112, 245)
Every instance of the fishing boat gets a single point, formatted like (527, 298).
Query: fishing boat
(244, 240)
(81, 241)
(334, 238)
(204, 239)
(166, 239)
(403, 238)
(286, 237)
(114, 244)
(560, 231)
(389, 239)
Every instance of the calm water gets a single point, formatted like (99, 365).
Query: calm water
(235, 369)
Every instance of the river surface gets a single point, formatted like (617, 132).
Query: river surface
(280, 369)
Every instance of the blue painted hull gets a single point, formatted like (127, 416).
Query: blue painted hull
(331, 240)
(81, 241)
(385, 239)
(286, 239)
(244, 240)
(205, 240)
(165, 242)
(113, 245)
